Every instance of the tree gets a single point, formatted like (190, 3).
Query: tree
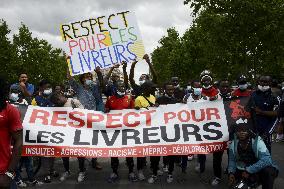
(38, 58)
(229, 38)
(7, 54)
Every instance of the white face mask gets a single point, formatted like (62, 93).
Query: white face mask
(243, 87)
(88, 82)
(188, 88)
(197, 91)
(14, 97)
(263, 88)
(47, 92)
(141, 82)
(207, 87)
(120, 93)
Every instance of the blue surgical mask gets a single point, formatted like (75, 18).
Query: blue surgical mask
(243, 87)
(88, 82)
(14, 97)
(197, 91)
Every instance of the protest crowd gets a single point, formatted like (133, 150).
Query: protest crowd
(249, 152)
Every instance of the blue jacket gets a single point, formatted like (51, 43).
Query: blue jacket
(261, 153)
(90, 98)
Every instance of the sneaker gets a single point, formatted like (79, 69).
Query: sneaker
(152, 179)
(197, 168)
(165, 169)
(216, 181)
(170, 179)
(21, 184)
(64, 176)
(112, 178)
(81, 176)
(160, 172)
(141, 175)
(190, 157)
(132, 177)
(47, 179)
(35, 183)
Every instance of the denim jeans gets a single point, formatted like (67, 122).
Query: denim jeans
(28, 164)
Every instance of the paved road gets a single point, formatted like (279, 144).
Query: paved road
(97, 179)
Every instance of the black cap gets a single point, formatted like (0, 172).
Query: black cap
(242, 79)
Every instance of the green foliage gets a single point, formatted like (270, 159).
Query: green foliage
(229, 38)
(32, 55)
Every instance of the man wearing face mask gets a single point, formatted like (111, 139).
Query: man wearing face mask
(119, 101)
(43, 100)
(144, 77)
(196, 96)
(15, 99)
(145, 100)
(89, 94)
(242, 90)
(45, 90)
(59, 100)
(264, 109)
(212, 93)
(206, 81)
(168, 161)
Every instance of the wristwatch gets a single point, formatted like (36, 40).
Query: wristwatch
(10, 174)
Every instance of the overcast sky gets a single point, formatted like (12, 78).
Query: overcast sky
(43, 17)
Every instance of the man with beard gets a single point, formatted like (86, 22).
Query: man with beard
(27, 89)
(10, 130)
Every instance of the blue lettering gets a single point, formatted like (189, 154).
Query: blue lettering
(96, 62)
(120, 54)
(88, 63)
(81, 62)
(111, 55)
(72, 68)
(103, 58)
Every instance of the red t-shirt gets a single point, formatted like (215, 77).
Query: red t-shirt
(115, 103)
(10, 121)
(238, 92)
(212, 92)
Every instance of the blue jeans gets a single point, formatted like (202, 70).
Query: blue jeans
(28, 163)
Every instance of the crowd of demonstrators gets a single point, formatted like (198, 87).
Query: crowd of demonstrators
(249, 152)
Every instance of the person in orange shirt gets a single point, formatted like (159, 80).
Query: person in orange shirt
(119, 101)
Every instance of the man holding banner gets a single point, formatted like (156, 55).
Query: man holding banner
(120, 101)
